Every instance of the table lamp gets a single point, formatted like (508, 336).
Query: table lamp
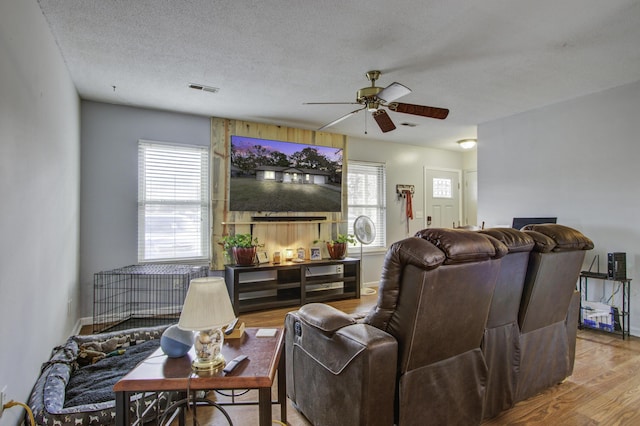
(206, 309)
(288, 254)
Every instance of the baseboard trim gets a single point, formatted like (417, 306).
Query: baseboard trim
(81, 323)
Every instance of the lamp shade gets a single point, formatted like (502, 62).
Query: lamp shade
(207, 305)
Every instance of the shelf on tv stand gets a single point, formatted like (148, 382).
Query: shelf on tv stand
(281, 222)
(268, 286)
(253, 223)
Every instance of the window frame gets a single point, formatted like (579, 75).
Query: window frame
(201, 204)
(380, 205)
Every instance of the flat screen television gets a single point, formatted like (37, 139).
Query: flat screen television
(276, 176)
(519, 222)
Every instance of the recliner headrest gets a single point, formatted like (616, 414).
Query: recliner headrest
(460, 246)
(553, 237)
(516, 241)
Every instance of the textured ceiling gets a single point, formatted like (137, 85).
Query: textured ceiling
(483, 60)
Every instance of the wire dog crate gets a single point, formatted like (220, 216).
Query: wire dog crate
(141, 295)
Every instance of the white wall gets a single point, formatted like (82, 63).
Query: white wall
(404, 165)
(39, 189)
(109, 190)
(577, 160)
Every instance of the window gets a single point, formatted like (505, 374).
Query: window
(442, 188)
(269, 175)
(366, 196)
(173, 202)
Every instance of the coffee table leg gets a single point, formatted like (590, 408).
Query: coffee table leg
(264, 406)
(122, 409)
(282, 388)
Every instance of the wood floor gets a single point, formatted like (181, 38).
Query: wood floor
(603, 390)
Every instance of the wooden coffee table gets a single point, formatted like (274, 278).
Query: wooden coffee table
(159, 373)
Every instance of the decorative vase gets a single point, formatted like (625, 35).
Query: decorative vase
(244, 256)
(337, 250)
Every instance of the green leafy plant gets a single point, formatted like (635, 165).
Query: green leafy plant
(239, 240)
(340, 238)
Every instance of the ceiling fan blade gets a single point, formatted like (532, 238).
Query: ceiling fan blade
(424, 111)
(331, 103)
(393, 91)
(344, 117)
(383, 120)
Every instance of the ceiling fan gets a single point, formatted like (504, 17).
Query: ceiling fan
(373, 98)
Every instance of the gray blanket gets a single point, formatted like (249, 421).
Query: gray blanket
(94, 383)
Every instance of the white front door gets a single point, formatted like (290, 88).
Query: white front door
(442, 198)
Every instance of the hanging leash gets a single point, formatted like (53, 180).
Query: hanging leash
(408, 206)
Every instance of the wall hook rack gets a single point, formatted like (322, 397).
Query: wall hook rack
(400, 189)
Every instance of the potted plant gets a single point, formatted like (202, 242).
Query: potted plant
(337, 247)
(242, 247)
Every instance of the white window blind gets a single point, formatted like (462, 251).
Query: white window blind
(173, 202)
(366, 196)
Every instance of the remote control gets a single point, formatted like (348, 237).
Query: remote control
(231, 326)
(234, 363)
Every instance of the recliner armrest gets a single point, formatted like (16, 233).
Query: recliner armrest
(324, 317)
(335, 341)
(339, 371)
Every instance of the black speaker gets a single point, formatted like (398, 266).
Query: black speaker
(617, 266)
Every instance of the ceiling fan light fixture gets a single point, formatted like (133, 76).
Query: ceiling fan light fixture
(373, 106)
(467, 143)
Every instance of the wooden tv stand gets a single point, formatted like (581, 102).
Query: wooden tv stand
(268, 286)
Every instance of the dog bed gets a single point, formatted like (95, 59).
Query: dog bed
(75, 386)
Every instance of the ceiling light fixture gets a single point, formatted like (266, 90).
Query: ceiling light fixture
(467, 143)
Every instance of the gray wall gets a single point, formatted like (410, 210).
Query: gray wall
(577, 160)
(109, 184)
(39, 189)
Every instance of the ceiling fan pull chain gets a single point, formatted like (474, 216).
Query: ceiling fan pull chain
(365, 123)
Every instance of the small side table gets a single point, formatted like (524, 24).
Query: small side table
(159, 373)
(623, 319)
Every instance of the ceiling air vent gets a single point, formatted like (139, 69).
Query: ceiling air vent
(203, 88)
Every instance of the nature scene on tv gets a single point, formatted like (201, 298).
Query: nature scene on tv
(276, 176)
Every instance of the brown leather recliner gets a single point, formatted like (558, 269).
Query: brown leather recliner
(416, 356)
(550, 306)
(501, 343)
(529, 343)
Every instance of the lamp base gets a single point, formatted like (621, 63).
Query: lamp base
(216, 363)
(208, 344)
